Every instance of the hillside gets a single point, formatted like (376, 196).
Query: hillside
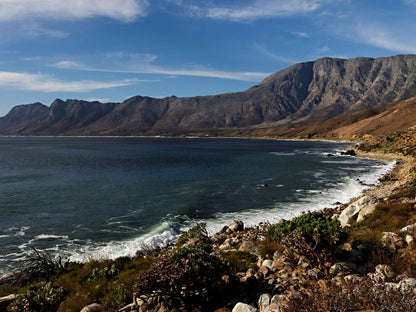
(308, 91)
(352, 126)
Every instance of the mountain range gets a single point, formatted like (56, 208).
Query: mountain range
(291, 98)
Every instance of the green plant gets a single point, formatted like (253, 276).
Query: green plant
(39, 299)
(198, 232)
(120, 297)
(105, 272)
(269, 246)
(312, 235)
(238, 260)
(190, 276)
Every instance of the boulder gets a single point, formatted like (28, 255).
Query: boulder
(409, 229)
(410, 241)
(264, 301)
(342, 268)
(226, 244)
(7, 300)
(250, 246)
(7, 277)
(384, 272)
(349, 152)
(272, 308)
(366, 211)
(408, 284)
(278, 299)
(242, 307)
(392, 241)
(350, 214)
(264, 270)
(94, 307)
(236, 226)
(268, 263)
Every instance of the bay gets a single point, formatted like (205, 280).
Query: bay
(98, 197)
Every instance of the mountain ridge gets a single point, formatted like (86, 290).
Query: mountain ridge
(308, 91)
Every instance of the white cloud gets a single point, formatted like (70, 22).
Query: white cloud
(390, 39)
(258, 9)
(264, 50)
(301, 34)
(47, 83)
(101, 100)
(142, 64)
(125, 10)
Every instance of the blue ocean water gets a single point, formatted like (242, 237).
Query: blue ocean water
(87, 198)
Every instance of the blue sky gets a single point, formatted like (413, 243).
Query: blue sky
(109, 50)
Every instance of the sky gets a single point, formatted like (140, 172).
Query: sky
(110, 50)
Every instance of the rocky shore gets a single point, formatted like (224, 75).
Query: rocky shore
(359, 256)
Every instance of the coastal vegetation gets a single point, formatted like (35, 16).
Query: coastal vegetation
(309, 263)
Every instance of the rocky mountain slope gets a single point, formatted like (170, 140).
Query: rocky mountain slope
(308, 91)
(352, 126)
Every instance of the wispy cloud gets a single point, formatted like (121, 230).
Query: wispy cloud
(386, 38)
(126, 10)
(301, 34)
(102, 100)
(274, 56)
(258, 9)
(47, 83)
(143, 64)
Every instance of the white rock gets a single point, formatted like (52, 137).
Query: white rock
(242, 307)
(272, 308)
(408, 284)
(278, 299)
(268, 263)
(264, 301)
(384, 272)
(236, 226)
(350, 214)
(410, 241)
(409, 229)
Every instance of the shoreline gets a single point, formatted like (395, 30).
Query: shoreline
(275, 279)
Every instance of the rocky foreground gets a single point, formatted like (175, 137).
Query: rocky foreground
(357, 257)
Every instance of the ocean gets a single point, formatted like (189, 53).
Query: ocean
(100, 197)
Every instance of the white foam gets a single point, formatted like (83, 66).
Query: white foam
(161, 234)
(166, 232)
(50, 236)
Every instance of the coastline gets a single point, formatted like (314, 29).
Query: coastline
(281, 283)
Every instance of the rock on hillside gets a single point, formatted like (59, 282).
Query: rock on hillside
(306, 91)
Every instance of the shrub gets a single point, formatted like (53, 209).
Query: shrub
(39, 300)
(238, 260)
(354, 296)
(39, 266)
(311, 235)
(199, 232)
(190, 276)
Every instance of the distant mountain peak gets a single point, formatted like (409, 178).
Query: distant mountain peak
(308, 91)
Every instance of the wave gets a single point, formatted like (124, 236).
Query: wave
(168, 231)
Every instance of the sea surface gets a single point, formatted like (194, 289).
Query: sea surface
(84, 198)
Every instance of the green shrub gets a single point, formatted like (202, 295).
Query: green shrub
(312, 235)
(39, 299)
(190, 276)
(120, 297)
(199, 232)
(238, 260)
(105, 272)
